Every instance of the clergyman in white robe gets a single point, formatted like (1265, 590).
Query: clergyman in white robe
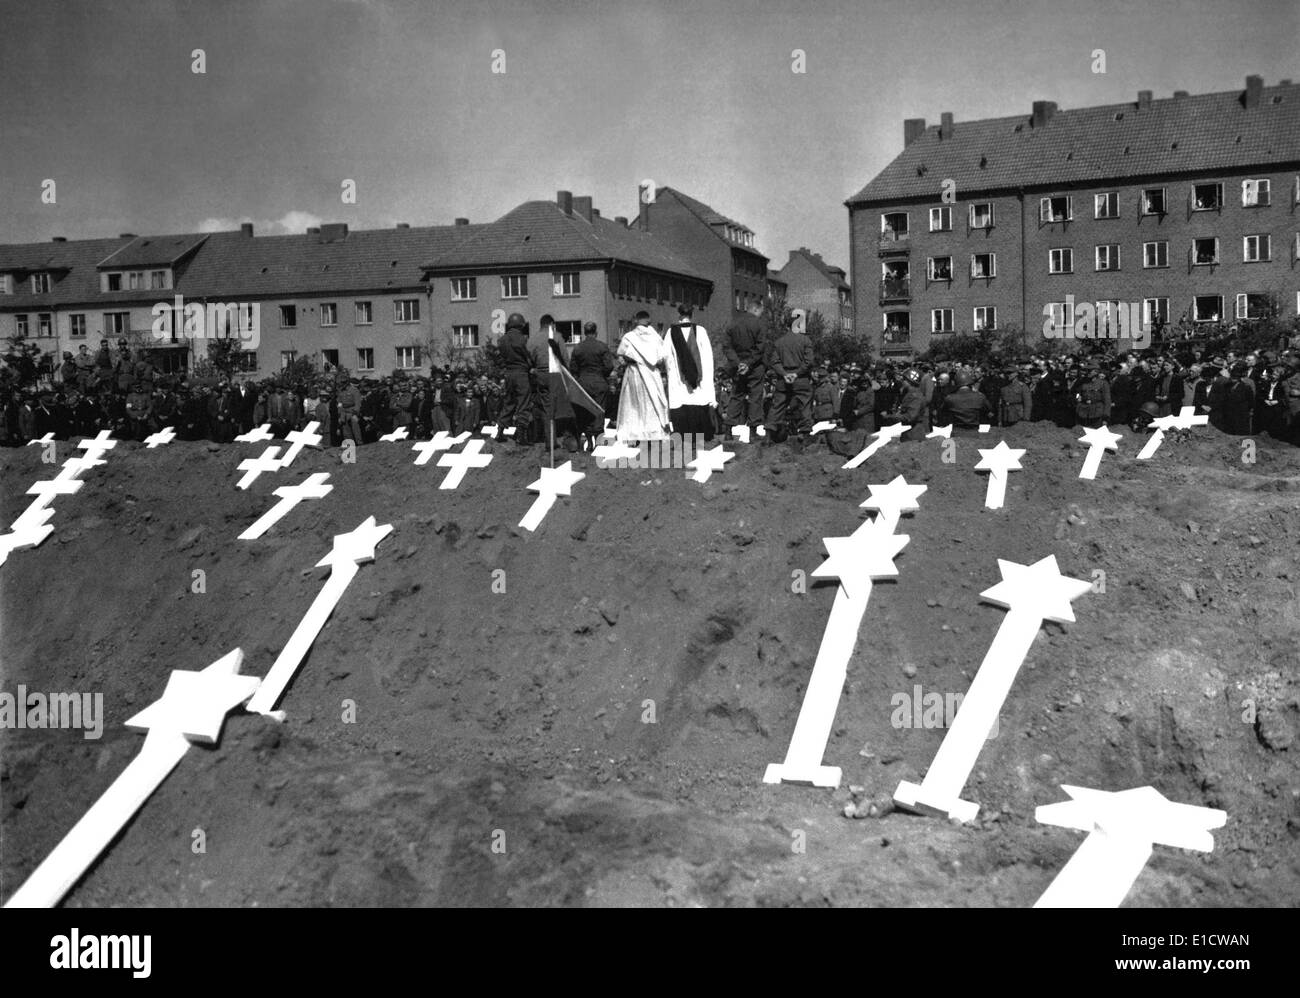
(642, 403)
(689, 409)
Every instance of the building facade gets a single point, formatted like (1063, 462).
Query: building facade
(1184, 209)
(816, 286)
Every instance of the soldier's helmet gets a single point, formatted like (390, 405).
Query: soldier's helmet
(961, 378)
(912, 376)
(516, 321)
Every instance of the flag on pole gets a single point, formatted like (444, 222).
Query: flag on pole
(565, 392)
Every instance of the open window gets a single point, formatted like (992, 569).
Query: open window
(1207, 197)
(1207, 308)
(1056, 209)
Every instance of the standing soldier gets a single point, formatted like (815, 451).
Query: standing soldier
(1017, 400)
(518, 362)
(912, 407)
(791, 357)
(139, 406)
(745, 350)
(1092, 397)
(592, 364)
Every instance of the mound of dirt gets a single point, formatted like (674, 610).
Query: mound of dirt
(583, 715)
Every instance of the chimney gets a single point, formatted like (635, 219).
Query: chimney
(1144, 100)
(1179, 94)
(403, 225)
(945, 125)
(332, 232)
(1283, 83)
(60, 239)
(565, 200)
(1254, 90)
(462, 221)
(313, 230)
(582, 206)
(126, 235)
(621, 220)
(595, 212)
(1043, 111)
(913, 129)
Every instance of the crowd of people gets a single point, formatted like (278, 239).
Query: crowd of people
(657, 382)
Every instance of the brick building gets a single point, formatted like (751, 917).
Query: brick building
(717, 247)
(816, 286)
(1185, 206)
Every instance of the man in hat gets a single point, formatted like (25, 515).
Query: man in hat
(139, 406)
(1290, 388)
(516, 410)
(1017, 400)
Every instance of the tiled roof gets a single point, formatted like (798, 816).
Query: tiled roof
(73, 278)
(151, 251)
(833, 275)
(1114, 141)
(539, 233)
(714, 219)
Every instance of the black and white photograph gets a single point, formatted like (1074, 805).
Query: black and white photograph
(573, 454)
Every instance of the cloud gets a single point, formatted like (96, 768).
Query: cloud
(290, 223)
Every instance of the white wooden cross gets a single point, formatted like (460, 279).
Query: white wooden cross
(856, 560)
(821, 427)
(290, 495)
(940, 431)
(997, 462)
(608, 455)
(298, 439)
(192, 709)
(164, 436)
(554, 482)
(349, 552)
(884, 435)
(47, 490)
(442, 440)
(42, 441)
(96, 446)
(459, 463)
(1123, 829)
(1099, 440)
(1185, 420)
(398, 434)
(254, 466)
(263, 432)
(1032, 594)
(74, 467)
(29, 530)
(706, 462)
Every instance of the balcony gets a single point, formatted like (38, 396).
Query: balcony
(892, 242)
(895, 289)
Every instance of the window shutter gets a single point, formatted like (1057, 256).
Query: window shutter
(1044, 209)
(1069, 206)
(1241, 306)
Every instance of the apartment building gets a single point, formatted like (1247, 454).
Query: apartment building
(816, 286)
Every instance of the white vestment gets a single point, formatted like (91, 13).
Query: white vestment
(678, 393)
(642, 404)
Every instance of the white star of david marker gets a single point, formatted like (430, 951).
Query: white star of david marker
(1099, 440)
(164, 436)
(823, 426)
(707, 462)
(47, 439)
(255, 466)
(1032, 594)
(885, 435)
(1123, 829)
(940, 431)
(290, 495)
(350, 550)
(997, 461)
(398, 434)
(442, 440)
(554, 482)
(855, 561)
(256, 436)
(609, 455)
(298, 439)
(193, 708)
(893, 500)
(461, 462)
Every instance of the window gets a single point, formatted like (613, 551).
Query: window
(940, 268)
(1108, 257)
(897, 327)
(981, 215)
(1153, 201)
(114, 282)
(1252, 306)
(330, 359)
(1155, 311)
(1105, 205)
(117, 323)
(40, 284)
(1060, 261)
(137, 280)
(20, 325)
(157, 280)
(1257, 249)
(44, 324)
(329, 314)
(1205, 251)
(408, 358)
(1255, 193)
(736, 303)
(1056, 209)
(464, 289)
(1155, 254)
(406, 310)
(985, 317)
(941, 219)
(364, 315)
(570, 332)
(365, 358)
(894, 224)
(246, 361)
(846, 324)
(287, 357)
(1109, 318)
(1207, 197)
(6, 284)
(464, 336)
(514, 286)
(941, 320)
(1061, 317)
(983, 265)
(77, 321)
(288, 316)
(1207, 308)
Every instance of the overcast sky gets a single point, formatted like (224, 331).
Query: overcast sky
(400, 97)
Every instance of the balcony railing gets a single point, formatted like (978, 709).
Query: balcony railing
(894, 242)
(895, 289)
